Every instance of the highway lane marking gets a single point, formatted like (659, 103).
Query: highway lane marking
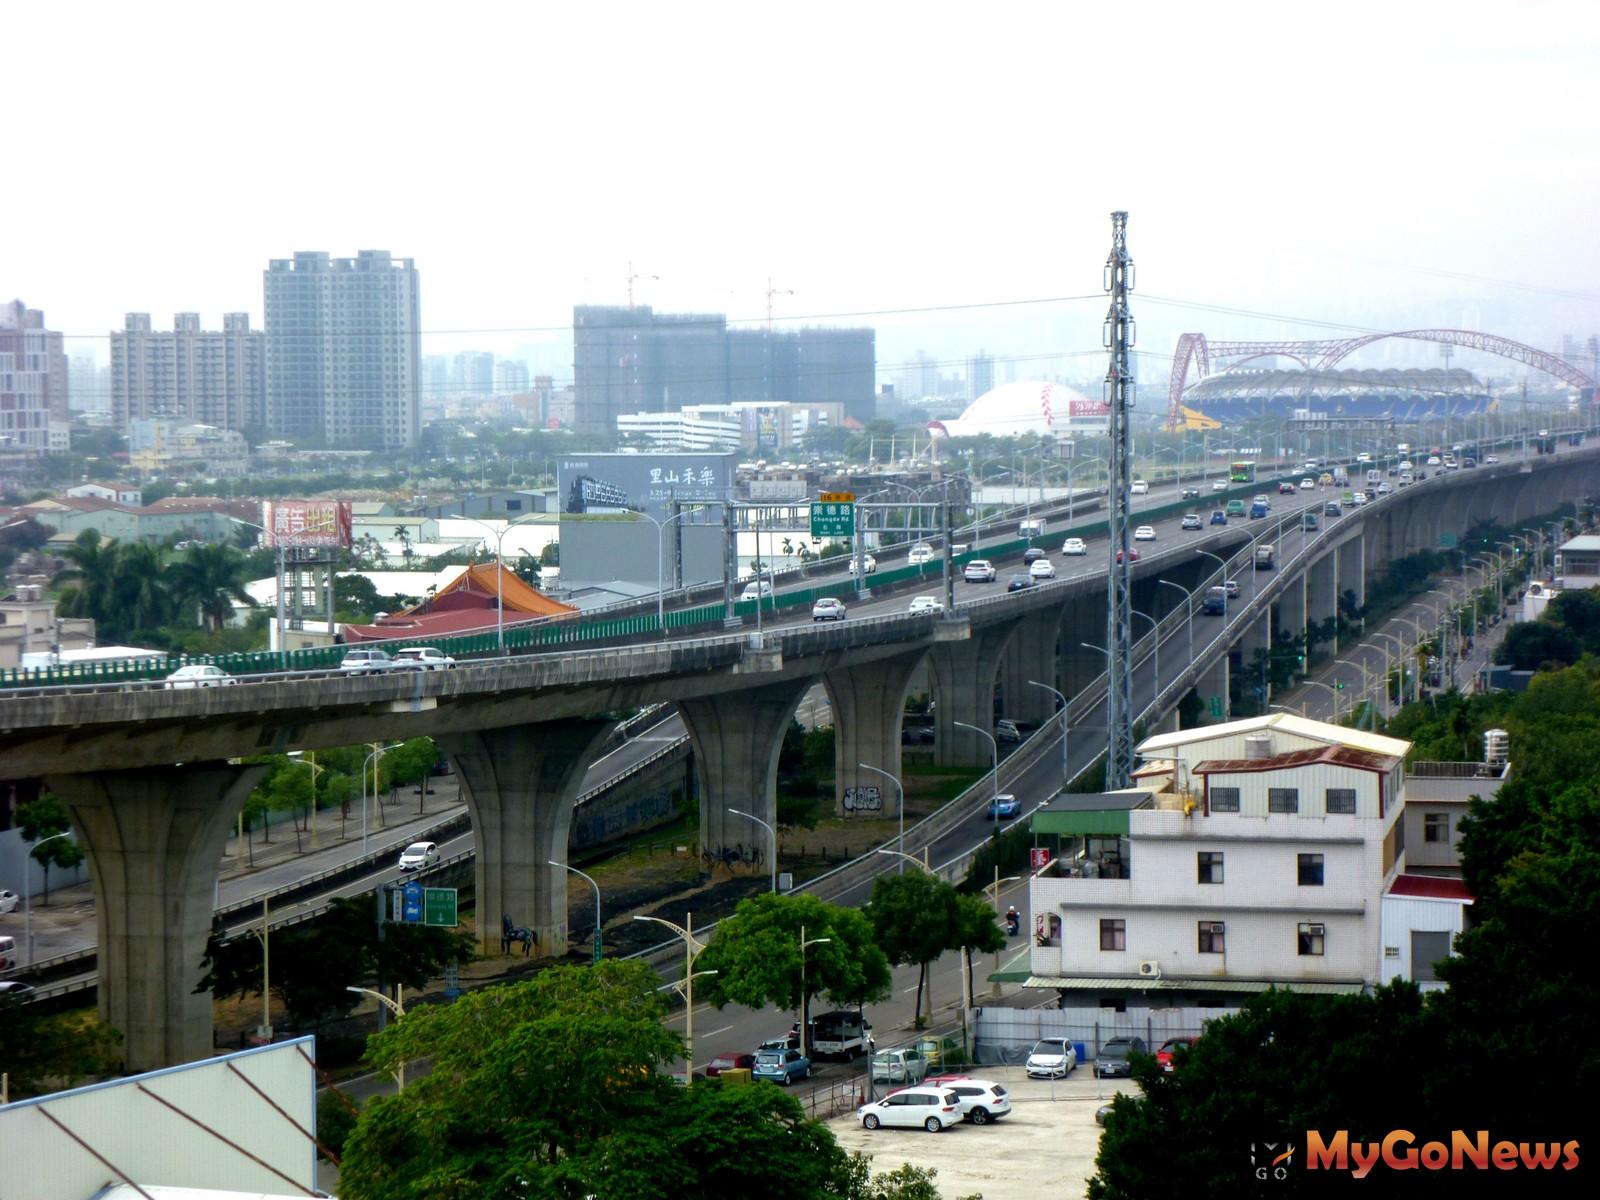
(714, 1032)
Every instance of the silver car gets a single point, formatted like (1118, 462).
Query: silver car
(363, 661)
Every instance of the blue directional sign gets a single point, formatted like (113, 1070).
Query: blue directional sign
(411, 902)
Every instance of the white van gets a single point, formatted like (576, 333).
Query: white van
(8, 951)
(756, 590)
(1372, 479)
(1031, 528)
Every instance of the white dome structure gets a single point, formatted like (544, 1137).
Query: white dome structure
(1027, 406)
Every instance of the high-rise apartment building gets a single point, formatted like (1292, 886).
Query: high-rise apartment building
(980, 375)
(199, 376)
(34, 417)
(634, 360)
(510, 377)
(472, 373)
(343, 349)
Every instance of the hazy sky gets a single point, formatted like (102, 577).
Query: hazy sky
(1351, 163)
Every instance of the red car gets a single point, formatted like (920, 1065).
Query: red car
(1133, 554)
(1164, 1055)
(731, 1061)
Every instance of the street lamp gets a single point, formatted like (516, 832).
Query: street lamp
(1388, 664)
(1155, 635)
(27, 891)
(661, 537)
(1188, 597)
(771, 833)
(499, 569)
(691, 950)
(900, 791)
(994, 889)
(552, 862)
(994, 752)
(1065, 766)
(1362, 667)
(910, 858)
(805, 1009)
(378, 751)
(396, 1006)
(1332, 691)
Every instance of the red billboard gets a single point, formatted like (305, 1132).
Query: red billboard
(1085, 407)
(306, 522)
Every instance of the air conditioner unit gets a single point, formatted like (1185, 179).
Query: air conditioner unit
(1150, 969)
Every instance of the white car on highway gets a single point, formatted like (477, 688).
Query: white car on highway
(828, 609)
(1307, 484)
(925, 604)
(1074, 546)
(756, 589)
(198, 675)
(1145, 533)
(868, 564)
(1489, 460)
(422, 658)
(419, 855)
(364, 661)
(1042, 568)
(1219, 485)
(919, 554)
(1139, 488)
(979, 570)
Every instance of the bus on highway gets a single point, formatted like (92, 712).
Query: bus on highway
(1242, 472)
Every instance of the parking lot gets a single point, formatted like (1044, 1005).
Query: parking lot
(1049, 1139)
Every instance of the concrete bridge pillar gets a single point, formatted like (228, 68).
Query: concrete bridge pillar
(1353, 569)
(1084, 621)
(1289, 611)
(963, 679)
(1255, 635)
(737, 736)
(1322, 592)
(1031, 655)
(868, 704)
(519, 784)
(153, 839)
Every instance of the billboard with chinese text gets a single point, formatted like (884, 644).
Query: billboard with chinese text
(600, 492)
(306, 523)
(647, 483)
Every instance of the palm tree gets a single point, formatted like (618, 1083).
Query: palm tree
(211, 578)
(93, 573)
(142, 597)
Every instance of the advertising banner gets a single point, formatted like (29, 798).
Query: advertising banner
(647, 483)
(306, 522)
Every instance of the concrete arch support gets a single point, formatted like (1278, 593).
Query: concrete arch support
(963, 680)
(153, 839)
(519, 784)
(1353, 569)
(1030, 655)
(868, 704)
(737, 736)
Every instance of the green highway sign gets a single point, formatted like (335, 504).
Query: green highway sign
(833, 519)
(439, 907)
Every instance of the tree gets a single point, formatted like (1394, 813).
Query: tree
(43, 1053)
(756, 954)
(211, 577)
(45, 818)
(977, 929)
(409, 762)
(1531, 645)
(92, 573)
(915, 918)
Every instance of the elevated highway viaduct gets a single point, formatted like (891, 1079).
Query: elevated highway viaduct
(153, 778)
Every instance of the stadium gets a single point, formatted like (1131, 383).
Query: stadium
(1398, 394)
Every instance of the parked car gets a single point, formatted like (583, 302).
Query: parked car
(1115, 1056)
(924, 604)
(1191, 521)
(919, 554)
(8, 901)
(919, 1107)
(982, 1100)
(1032, 555)
(732, 1060)
(1145, 533)
(1219, 517)
(1004, 806)
(422, 658)
(1019, 583)
(1051, 1058)
(1042, 568)
(1169, 1048)
(868, 564)
(1074, 546)
(1101, 1114)
(782, 1067)
(1133, 554)
(904, 1066)
(784, 1041)
(1286, 488)
(418, 855)
(827, 608)
(979, 570)
(365, 661)
(1006, 730)
(1139, 488)
(199, 675)
(757, 589)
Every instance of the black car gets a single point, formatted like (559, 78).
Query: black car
(1032, 554)
(1115, 1056)
(1191, 493)
(1019, 583)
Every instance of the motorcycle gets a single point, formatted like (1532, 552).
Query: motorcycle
(1013, 924)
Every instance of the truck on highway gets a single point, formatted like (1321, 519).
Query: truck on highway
(1265, 556)
(1216, 602)
(842, 1034)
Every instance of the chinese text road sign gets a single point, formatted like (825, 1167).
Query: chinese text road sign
(833, 518)
(439, 907)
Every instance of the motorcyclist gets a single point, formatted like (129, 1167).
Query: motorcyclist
(1013, 920)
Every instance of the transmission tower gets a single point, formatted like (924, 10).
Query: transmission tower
(1119, 336)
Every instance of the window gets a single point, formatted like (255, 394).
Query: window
(1224, 799)
(1211, 937)
(1310, 870)
(1341, 800)
(1283, 800)
(1436, 827)
(1311, 939)
(1208, 866)
(1113, 935)
(1426, 949)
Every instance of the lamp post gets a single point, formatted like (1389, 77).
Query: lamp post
(994, 890)
(805, 1009)
(378, 752)
(1065, 766)
(771, 833)
(1332, 691)
(900, 792)
(397, 1007)
(1362, 667)
(1188, 597)
(1388, 665)
(691, 951)
(1105, 654)
(920, 863)
(1155, 636)
(499, 569)
(27, 891)
(552, 862)
(661, 537)
(994, 753)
